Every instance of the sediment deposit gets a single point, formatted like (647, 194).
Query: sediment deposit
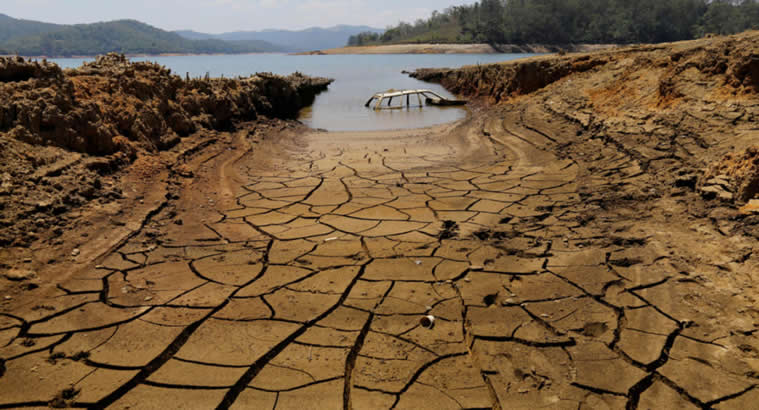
(585, 239)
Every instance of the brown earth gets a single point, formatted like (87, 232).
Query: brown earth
(561, 237)
(63, 135)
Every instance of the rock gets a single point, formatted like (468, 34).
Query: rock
(744, 73)
(18, 70)
(716, 192)
(752, 207)
(43, 205)
(184, 171)
(75, 252)
(686, 181)
(737, 172)
(723, 182)
(725, 196)
(19, 275)
(708, 192)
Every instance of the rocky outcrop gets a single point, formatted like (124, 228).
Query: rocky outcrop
(113, 105)
(744, 72)
(17, 69)
(735, 176)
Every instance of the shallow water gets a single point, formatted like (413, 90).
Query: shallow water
(357, 77)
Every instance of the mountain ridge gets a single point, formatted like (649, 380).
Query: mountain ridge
(312, 38)
(13, 28)
(33, 38)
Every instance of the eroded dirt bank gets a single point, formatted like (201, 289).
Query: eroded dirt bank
(65, 134)
(585, 243)
(663, 239)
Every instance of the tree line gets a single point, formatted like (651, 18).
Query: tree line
(573, 21)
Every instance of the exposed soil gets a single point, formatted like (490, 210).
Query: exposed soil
(63, 136)
(561, 237)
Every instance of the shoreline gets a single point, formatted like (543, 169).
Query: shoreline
(421, 48)
(141, 55)
(477, 48)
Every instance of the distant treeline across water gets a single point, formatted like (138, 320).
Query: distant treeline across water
(574, 21)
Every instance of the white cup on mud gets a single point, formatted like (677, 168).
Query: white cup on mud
(427, 322)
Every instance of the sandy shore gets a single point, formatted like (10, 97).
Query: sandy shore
(409, 49)
(458, 49)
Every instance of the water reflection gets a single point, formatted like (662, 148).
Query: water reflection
(368, 119)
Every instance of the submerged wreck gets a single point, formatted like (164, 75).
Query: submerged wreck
(430, 98)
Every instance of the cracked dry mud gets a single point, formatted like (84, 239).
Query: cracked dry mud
(295, 275)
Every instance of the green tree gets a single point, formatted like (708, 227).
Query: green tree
(580, 21)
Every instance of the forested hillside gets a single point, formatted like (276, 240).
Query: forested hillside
(314, 38)
(124, 36)
(13, 28)
(574, 21)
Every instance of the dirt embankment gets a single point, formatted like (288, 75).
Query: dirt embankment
(733, 59)
(63, 134)
(500, 81)
(433, 48)
(673, 107)
(664, 139)
(107, 104)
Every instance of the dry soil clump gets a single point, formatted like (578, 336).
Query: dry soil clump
(63, 134)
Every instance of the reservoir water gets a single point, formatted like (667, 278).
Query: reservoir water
(357, 77)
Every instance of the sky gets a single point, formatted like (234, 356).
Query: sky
(217, 16)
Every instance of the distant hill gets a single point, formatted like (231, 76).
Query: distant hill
(11, 28)
(28, 38)
(302, 40)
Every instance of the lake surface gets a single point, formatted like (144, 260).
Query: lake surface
(357, 78)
